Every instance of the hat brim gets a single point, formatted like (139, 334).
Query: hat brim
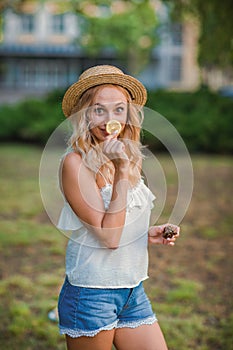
(136, 89)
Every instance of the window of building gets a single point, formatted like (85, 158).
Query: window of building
(58, 23)
(175, 68)
(45, 74)
(28, 23)
(176, 30)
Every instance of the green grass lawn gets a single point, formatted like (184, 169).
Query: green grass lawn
(190, 285)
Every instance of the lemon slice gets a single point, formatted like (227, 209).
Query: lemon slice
(113, 127)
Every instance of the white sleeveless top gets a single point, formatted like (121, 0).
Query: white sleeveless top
(91, 264)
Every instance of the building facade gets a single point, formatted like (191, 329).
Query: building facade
(38, 53)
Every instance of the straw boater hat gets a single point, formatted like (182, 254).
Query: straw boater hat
(99, 75)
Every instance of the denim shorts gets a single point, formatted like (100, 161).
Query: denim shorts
(87, 311)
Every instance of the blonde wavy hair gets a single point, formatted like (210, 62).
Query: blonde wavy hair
(84, 142)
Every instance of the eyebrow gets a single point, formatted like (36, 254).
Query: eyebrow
(103, 105)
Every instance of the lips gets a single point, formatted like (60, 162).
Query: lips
(103, 131)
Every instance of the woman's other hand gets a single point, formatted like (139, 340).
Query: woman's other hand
(155, 234)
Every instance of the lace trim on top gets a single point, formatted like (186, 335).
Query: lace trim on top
(136, 197)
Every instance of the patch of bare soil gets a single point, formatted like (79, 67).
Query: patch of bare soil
(203, 252)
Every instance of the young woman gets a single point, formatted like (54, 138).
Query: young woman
(107, 209)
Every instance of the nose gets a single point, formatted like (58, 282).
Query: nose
(109, 116)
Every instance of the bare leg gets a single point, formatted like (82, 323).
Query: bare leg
(102, 341)
(145, 337)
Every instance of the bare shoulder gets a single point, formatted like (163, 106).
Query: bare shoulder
(79, 186)
(73, 165)
(72, 159)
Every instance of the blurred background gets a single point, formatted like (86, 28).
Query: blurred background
(182, 51)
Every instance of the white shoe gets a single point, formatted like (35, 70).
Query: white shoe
(53, 315)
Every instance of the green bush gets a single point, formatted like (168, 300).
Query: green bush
(42, 118)
(10, 123)
(203, 119)
(31, 120)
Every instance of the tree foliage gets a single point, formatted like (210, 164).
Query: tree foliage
(216, 29)
(15, 4)
(127, 28)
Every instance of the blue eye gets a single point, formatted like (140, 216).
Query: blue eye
(120, 110)
(99, 111)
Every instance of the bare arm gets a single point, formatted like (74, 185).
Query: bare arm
(82, 193)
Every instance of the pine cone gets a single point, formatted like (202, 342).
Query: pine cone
(168, 232)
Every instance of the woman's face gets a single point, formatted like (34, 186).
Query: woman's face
(109, 103)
